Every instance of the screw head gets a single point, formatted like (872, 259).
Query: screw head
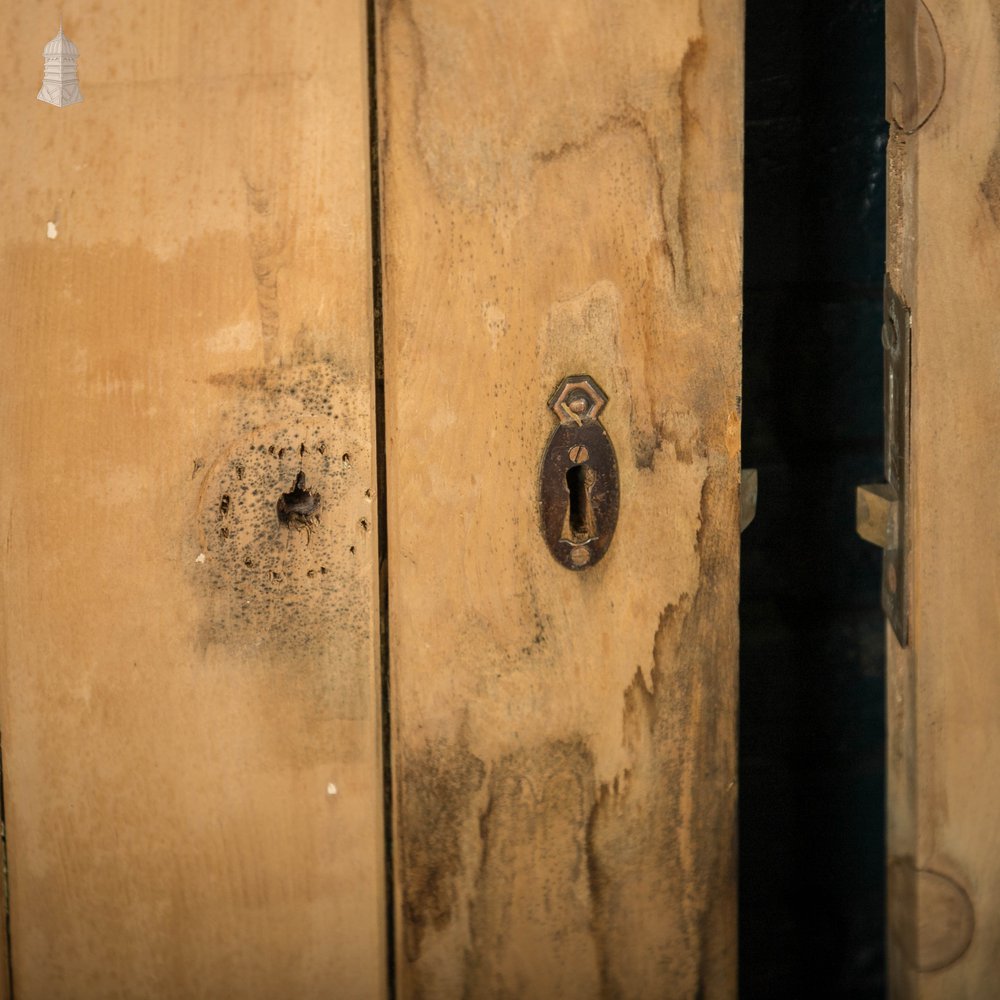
(578, 454)
(580, 556)
(577, 398)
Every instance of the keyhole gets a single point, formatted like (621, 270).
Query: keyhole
(579, 480)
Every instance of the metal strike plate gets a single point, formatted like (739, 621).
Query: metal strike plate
(578, 490)
(877, 515)
(881, 507)
(748, 497)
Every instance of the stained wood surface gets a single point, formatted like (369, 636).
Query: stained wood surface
(561, 194)
(189, 715)
(943, 79)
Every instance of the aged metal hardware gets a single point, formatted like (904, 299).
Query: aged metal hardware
(876, 515)
(579, 478)
(880, 516)
(748, 497)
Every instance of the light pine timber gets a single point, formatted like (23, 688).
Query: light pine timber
(943, 79)
(184, 681)
(561, 194)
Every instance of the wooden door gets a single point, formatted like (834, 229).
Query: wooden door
(190, 722)
(203, 394)
(943, 77)
(561, 194)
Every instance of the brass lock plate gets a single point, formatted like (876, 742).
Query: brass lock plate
(881, 507)
(896, 378)
(578, 492)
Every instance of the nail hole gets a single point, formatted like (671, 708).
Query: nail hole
(299, 506)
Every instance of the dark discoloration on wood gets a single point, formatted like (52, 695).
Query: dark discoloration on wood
(915, 64)
(932, 919)
(677, 733)
(692, 64)
(436, 785)
(545, 216)
(533, 824)
(497, 159)
(172, 833)
(282, 594)
(989, 186)
(620, 888)
(619, 122)
(598, 851)
(663, 431)
(619, 896)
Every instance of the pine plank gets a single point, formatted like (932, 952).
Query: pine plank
(943, 690)
(561, 193)
(189, 691)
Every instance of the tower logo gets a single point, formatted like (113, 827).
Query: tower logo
(60, 85)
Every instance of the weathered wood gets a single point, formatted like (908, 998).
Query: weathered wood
(189, 711)
(943, 690)
(562, 194)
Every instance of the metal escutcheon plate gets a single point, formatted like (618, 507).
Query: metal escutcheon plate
(579, 491)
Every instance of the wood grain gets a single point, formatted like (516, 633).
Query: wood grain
(943, 733)
(562, 194)
(189, 711)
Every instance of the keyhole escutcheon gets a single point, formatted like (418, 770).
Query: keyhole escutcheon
(579, 493)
